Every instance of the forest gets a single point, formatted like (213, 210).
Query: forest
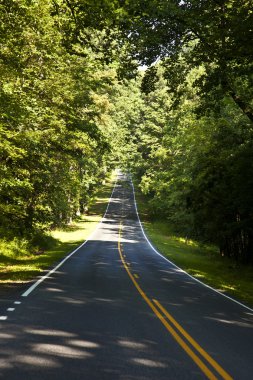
(162, 88)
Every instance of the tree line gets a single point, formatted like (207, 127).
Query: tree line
(52, 146)
(73, 104)
(196, 155)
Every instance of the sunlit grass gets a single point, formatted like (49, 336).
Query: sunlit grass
(20, 263)
(77, 231)
(201, 261)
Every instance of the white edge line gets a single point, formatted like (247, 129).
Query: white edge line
(48, 274)
(195, 279)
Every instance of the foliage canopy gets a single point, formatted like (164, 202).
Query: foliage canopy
(73, 104)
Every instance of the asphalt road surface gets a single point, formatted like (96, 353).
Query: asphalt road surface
(116, 309)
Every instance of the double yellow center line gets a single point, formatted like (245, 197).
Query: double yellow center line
(175, 329)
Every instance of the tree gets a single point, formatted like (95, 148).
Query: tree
(218, 33)
(52, 148)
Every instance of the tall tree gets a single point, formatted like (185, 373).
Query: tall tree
(218, 33)
(51, 145)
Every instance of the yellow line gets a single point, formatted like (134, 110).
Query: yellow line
(136, 275)
(208, 358)
(179, 340)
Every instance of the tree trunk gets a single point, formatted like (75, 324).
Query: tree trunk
(28, 222)
(245, 108)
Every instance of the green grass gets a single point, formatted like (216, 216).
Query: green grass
(19, 263)
(201, 261)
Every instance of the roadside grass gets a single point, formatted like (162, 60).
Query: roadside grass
(20, 264)
(201, 261)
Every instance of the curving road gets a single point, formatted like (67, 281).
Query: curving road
(116, 309)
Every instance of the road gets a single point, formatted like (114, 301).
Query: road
(116, 309)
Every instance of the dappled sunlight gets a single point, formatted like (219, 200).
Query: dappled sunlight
(60, 350)
(197, 273)
(173, 271)
(45, 332)
(102, 263)
(4, 365)
(232, 322)
(104, 299)
(124, 240)
(56, 290)
(228, 287)
(109, 232)
(132, 344)
(71, 301)
(47, 349)
(166, 279)
(149, 363)
(83, 343)
(54, 350)
(190, 300)
(6, 336)
(35, 360)
(178, 270)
